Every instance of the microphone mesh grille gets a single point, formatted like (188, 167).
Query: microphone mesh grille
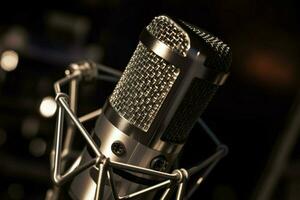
(166, 31)
(221, 57)
(143, 87)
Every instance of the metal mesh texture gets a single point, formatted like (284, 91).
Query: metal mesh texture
(143, 87)
(200, 91)
(220, 59)
(190, 109)
(165, 30)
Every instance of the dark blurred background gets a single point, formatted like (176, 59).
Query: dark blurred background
(249, 113)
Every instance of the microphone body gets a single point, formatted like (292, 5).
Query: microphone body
(171, 77)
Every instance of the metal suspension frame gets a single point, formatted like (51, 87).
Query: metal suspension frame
(62, 153)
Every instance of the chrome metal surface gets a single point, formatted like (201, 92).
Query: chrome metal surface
(109, 70)
(90, 115)
(126, 127)
(179, 176)
(57, 145)
(136, 153)
(112, 183)
(120, 122)
(65, 80)
(80, 172)
(148, 189)
(166, 147)
(81, 128)
(182, 184)
(101, 180)
(165, 194)
(73, 106)
(137, 158)
(139, 169)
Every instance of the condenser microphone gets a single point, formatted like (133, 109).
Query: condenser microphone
(174, 72)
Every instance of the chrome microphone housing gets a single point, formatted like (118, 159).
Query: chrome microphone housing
(171, 77)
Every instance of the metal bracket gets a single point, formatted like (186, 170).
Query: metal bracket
(169, 181)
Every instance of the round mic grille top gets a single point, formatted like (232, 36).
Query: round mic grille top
(170, 33)
(220, 58)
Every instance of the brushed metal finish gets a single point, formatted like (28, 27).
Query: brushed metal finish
(84, 186)
(126, 127)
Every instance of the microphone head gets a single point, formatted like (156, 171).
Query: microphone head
(179, 35)
(168, 82)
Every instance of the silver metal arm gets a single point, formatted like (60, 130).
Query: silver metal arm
(74, 74)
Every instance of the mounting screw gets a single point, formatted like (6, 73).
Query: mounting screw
(159, 163)
(118, 148)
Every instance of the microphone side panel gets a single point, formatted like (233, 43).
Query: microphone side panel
(200, 92)
(191, 107)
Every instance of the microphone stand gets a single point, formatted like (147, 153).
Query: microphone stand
(60, 154)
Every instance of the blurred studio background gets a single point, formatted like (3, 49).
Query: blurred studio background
(252, 113)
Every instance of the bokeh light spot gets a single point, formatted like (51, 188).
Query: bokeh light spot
(37, 147)
(48, 107)
(9, 60)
